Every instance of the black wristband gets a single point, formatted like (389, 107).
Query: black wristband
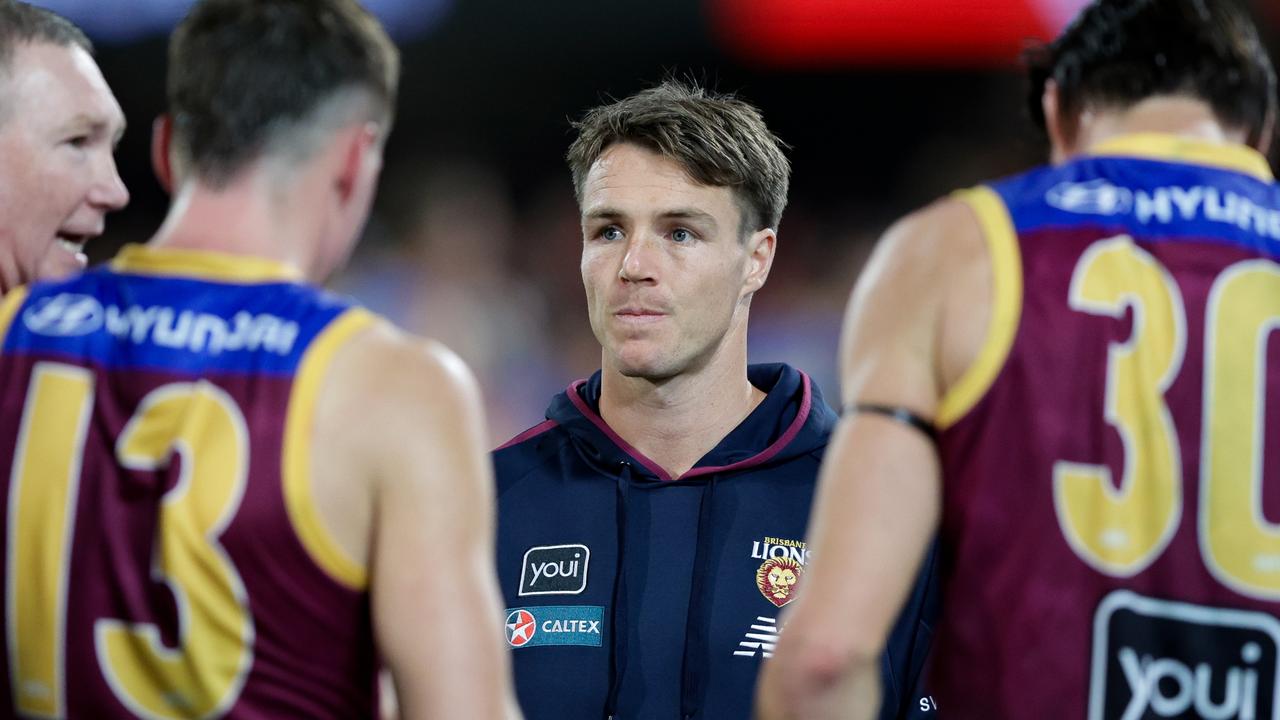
(899, 414)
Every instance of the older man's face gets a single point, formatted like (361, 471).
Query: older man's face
(59, 125)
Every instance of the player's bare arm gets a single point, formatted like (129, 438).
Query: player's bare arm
(402, 476)
(915, 321)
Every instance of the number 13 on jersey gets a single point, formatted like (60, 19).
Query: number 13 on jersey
(202, 676)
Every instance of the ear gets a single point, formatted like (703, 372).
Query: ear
(361, 159)
(760, 249)
(1062, 131)
(161, 137)
(1268, 133)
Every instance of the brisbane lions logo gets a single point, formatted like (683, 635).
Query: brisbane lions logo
(779, 579)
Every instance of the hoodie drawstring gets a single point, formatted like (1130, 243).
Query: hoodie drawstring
(698, 620)
(618, 617)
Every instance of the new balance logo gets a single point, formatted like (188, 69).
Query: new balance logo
(760, 639)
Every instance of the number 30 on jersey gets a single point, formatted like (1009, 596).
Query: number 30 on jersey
(1122, 531)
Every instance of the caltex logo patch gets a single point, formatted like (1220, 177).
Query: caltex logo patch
(521, 627)
(542, 625)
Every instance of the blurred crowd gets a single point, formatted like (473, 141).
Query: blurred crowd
(475, 236)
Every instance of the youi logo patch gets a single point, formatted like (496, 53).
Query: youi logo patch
(1163, 659)
(555, 570)
(1095, 197)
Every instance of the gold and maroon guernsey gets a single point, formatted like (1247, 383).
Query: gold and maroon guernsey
(163, 556)
(1111, 461)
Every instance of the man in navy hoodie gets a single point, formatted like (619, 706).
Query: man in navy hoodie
(653, 527)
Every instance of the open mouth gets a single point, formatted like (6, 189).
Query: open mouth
(74, 244)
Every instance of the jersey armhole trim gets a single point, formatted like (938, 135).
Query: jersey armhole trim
(9, 305)
(296, 470)
(1006, 307)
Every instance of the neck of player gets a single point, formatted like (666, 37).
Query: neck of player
(675, 421)
(255, 215)
(1167, 115)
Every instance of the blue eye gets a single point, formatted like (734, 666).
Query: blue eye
(611, 233)
(681, 235)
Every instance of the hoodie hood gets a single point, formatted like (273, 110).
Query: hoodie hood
(792, 420)
(573, 479)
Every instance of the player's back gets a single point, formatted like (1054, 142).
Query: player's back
(1107, 524)
(164, 556)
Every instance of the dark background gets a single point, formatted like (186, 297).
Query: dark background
(474, 238)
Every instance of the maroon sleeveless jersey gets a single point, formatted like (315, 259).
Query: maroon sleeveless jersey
(1111, 462)
(163, 555)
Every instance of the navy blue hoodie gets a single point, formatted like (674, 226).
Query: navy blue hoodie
(636, 596)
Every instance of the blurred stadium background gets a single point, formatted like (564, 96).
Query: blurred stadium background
(474, 239)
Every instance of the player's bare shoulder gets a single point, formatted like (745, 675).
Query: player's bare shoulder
(387, 378)
(388, 361)
(930, 240)
(968, 279)
(394, 414)
(918, 257)
(927, 287)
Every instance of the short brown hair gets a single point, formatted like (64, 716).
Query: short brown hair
(243, 73)
(23, 23)
(718, 139)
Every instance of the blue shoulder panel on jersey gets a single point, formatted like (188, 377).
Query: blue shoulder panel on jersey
(1149, 200)
(172, 323)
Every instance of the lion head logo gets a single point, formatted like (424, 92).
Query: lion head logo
(778, 579)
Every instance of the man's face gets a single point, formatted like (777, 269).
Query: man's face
(59, 124)
(666, 269)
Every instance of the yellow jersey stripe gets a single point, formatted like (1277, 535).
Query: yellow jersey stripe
(9, 305)
(303, 514)
(1006, 305)
(166, 261)
(1194, 151)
